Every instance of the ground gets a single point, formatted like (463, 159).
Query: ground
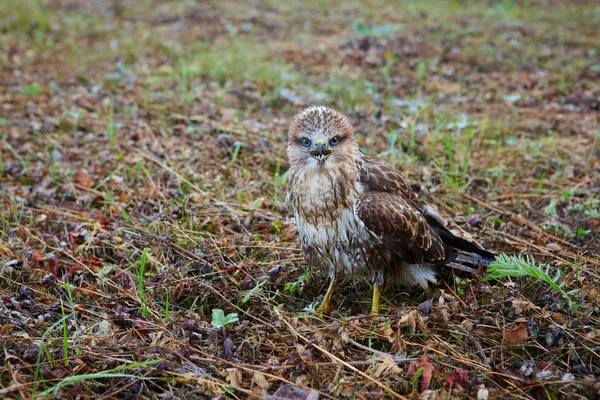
(145, 247)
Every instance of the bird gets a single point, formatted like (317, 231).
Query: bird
(358, 217)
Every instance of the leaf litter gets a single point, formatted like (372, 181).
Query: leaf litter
(161, 125)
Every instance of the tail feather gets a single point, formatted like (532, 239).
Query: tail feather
(474, 259)
(469, 256)
(461, 267)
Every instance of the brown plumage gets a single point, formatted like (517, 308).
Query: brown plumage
(359, 216)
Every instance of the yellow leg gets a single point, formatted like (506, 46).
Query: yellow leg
(325, 306)
(376, 297)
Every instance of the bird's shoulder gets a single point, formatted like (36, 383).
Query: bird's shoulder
(376, 176)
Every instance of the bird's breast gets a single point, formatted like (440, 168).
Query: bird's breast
(327, 225)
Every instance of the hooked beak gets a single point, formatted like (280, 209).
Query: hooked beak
(320, 150)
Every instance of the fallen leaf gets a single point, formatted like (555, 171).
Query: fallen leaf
(458, 377)
(522, 306)
(482, 393)
(37, 256)
(234, 377)
(260, 380)
(517, 335)
(384, 366)
(290, 392)
(426, 307)
(427, 374)
(5, 329)
(83, 179)
(558, 318)
(105, 328)
(178, 292)
(227, 348)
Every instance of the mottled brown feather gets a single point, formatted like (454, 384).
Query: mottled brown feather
(378, 177)
(397, 224)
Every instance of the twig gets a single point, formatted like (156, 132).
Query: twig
(363, 347)
(484, 359)
(344, 363)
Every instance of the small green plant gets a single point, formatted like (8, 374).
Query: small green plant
(65, 337)
(582, 232)
(276, 225)
(414, 381)
(219, 319)
(235, 153)
(516, 266)
(376, 30)
(111, 130)
(311, 308)
(108, 374)
(390, 61)
(550, 209)
(167, 306)
(14, 153)
(453, 169)
(421, 70)
(43, 350)
(252, 291)
(35, 88)
(292, 286)
(460, 283)
(193, 304)
(140, 277)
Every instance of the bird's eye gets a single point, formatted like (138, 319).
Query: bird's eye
(305, 142)
(334, 141)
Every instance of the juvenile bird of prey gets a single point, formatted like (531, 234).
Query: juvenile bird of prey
(358, 216)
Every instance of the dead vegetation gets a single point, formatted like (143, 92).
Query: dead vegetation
(145, 249)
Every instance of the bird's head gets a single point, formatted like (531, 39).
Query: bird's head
(320, 137)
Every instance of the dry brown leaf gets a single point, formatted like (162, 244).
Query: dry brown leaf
(37, 256)
(521, 305)
(558, 318)
(458, 377)
(234, 377)
(427, 375)
(83, 178)
(261, 384)
(384, 366)
(517, 335)
(5, 328)
(411, 319)
(290, 392)
(260, 380)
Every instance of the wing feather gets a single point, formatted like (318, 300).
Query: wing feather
(378, 177)
(398, 225)
(415, 231)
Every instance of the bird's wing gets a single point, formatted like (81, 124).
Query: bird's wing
(394, 221)
(387, 185)
(378, 177)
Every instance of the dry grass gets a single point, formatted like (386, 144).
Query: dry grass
(153, 125)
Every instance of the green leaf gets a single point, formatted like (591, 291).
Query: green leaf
(517, 266)
(566, 194)
(35, 88)
(109, 374)
(219, 319)
(251, 292)
(550, 209)
(582, 231)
